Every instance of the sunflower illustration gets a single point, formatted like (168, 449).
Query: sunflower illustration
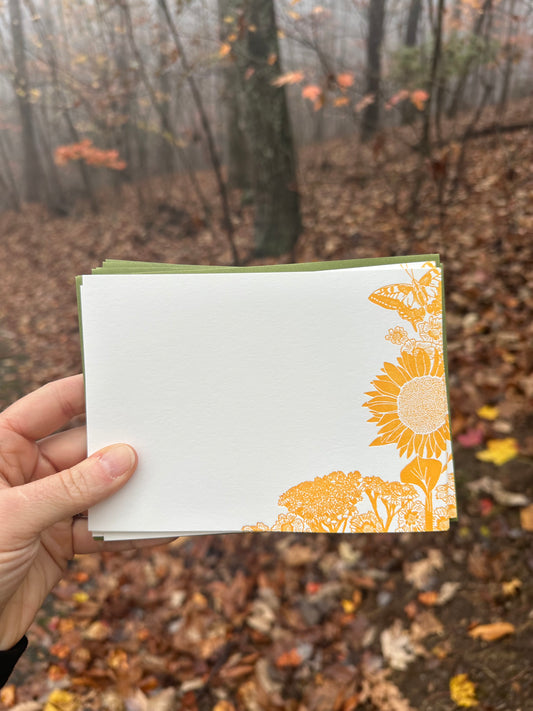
(410, 405)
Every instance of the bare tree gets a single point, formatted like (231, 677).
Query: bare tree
(376, 21)
(33, 174)
(277, 201)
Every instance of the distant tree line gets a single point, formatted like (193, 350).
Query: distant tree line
(107, 92)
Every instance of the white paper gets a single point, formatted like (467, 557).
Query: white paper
(233, 388)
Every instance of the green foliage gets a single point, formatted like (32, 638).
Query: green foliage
(460, 53)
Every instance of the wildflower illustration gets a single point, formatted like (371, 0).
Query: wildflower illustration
(409, 406)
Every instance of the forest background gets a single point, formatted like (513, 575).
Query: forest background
(243, 132)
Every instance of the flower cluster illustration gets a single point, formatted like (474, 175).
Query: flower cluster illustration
(409, 406)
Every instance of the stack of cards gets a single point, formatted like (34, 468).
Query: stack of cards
(304, 397)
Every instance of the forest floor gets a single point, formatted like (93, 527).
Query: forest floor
(295, 621)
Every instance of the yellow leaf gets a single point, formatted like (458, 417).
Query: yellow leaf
(228, 19)
(80, 597)
(224, 705)
(281, 34)
(511, 587)
(499, 451)
(463, 691)
(487, 412)
(348, 606)
(61, 700)
(492, 632)
(8, 695)
(225, 49)
(294, 15)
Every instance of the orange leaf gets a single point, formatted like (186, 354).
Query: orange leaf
(345, 80)
(526, 518)
(428, 598)
(288, 78)
(364, 102)
(419, 98)
(492, 632)
(8, 695)
(341, 101)
(291, 658)
(399, 96)
(225, 49)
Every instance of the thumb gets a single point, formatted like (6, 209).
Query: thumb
(47, 501)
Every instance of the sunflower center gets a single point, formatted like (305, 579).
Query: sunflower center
(422, 404)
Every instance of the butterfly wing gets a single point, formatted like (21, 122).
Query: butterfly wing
(428, 291)
(400, 298)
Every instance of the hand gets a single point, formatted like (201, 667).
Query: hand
(44, 483)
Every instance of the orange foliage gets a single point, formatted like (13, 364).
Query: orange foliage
(84, 150)
(345, 80)
(289, 78)
(314, 93)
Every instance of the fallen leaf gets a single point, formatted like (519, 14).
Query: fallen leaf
(420, 572)
(488, 412)
(224, 705)
(499, 451)
(471, 438)
(397, 647)
(494, 487)
(511, 587)
(463, 691)
(492, 631)
(526, 518)
(291, 658)
(428, 598)
(61, 700)
(8, 695)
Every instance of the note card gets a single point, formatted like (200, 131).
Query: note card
(307, 397)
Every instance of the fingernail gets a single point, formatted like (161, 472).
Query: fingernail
(117, 460)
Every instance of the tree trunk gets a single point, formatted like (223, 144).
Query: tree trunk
(277, 202)
(411, 35)
(461, 82)
(376, 20)
(33, 176)
(237, 152)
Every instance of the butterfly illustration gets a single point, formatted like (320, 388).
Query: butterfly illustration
(412, 301)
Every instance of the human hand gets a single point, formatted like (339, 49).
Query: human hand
(45, 481)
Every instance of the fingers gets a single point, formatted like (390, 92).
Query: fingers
(44, 502)
(65, 449)
(44, 411)
(83, 542)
